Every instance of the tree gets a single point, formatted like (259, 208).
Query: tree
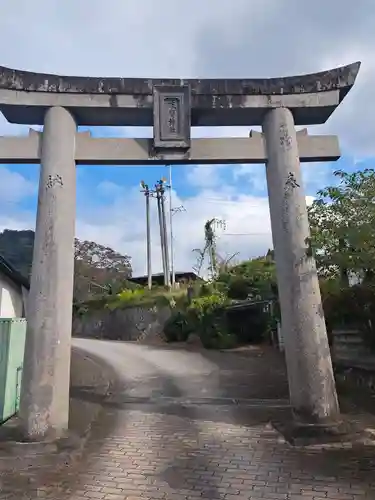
(261, 275)
(256, 277)
(99, 268)
(342, 221)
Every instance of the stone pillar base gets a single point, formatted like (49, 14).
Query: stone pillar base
(299, 433)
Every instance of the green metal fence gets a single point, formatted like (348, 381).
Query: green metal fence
(12, 346)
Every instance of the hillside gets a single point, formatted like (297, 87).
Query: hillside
(96, 266)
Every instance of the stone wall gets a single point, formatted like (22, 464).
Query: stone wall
(348, 344)
(132, 324)
(358, 373)
(353, 361)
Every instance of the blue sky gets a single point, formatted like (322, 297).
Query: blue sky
(125, 39)
(90, 177)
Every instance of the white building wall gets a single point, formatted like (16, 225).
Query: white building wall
(11, 299)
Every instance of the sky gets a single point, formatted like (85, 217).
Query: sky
(179, 39)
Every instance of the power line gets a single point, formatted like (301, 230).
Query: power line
(229, 202)
(246, 234)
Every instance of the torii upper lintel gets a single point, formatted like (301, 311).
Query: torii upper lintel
(25, 97)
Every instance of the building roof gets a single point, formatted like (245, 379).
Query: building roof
(8, 270)
(159, 276)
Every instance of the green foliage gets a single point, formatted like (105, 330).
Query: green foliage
(251, 278)
(350, 307)
(205, 289)
(342, 219)
(208, 319)
(208, 304)
(260, 274)
(178, 327)
(138, 297)
(239, 288)
(131, 295)
(250, 325)
(143, 297)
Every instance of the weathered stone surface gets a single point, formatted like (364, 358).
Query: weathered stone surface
(341, 78)
(25, 96)
(311, 381)
(44, 406)
(135, 323)
(120, 151)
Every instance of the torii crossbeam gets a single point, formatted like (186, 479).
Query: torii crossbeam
(120, 151)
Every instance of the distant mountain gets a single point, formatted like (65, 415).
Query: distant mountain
(96, 266)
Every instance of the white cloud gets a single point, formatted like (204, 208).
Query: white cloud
(109, 189)
(171, 38)
(122, 226)
(121, 223)
(204, 176)
(18, 221)
(248, 214)
(14, 187)
(254, 174)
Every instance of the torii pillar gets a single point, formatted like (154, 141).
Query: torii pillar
(61, 103)
(310, 374)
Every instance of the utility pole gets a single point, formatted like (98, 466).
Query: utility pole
(146, 191)
(161, 228)
(165, 236)
(171, 226)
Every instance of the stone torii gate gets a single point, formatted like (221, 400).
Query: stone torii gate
(172, 107)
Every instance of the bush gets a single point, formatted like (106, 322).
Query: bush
(208, 319)
(350, 307)
(250, 325)
(177, 328)
(238, 288)
(205, 290)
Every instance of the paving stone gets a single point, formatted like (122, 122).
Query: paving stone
(208, 451)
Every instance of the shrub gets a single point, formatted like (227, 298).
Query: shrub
(208, 320)
(127, 298)
(205, 290)
(131, 295)
(250, 325)
(238, 288)
(350, 307)
(177, 328)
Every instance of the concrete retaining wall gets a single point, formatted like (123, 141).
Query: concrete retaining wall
(132, 324)
(354, 362)
(348, 343)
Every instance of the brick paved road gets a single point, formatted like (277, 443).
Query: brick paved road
(188, 425)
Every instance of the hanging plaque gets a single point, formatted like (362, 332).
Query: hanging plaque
(172, 116)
